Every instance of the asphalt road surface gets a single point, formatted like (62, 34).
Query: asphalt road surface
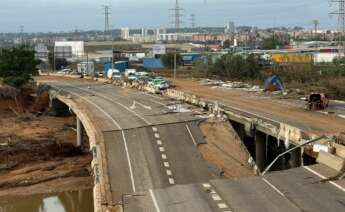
(154, 164)
(286, 191)
(150, 143)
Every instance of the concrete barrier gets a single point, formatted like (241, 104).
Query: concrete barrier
(340, 150)
(333, 161)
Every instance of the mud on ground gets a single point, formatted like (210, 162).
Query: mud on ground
(224, 149)
(37, 155)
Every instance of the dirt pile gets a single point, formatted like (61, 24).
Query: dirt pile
(37, 153)
(224, 149)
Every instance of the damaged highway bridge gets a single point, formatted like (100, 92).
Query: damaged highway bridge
(145, 155)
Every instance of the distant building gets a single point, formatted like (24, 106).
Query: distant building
(144, 32)
(125, 33)
(76, 48)
(41, 52)
(230, 28)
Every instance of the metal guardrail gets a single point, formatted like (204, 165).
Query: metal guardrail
(292, 149)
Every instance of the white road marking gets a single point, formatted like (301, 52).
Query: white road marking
(155, 203)
(123, 136)
(341, 116)
(159, 142)
(216, 197)
(162, 149)
(164, 156)
(118, 103)
(272, 186)
(157, 135)
(154, 129)
(191, 135)
(222, 205)
(129, 161)
(171, 181)
(323, 177)
(169, 172)
(142, 105)
(206, 185)
(166, 164)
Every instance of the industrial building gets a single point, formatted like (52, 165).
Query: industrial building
(77, 47)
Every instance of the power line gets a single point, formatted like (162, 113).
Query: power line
(106, 19)
(340, 12)
(177, 16)
(192, 20)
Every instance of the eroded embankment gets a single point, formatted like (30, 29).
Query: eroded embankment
(225, 150)
(37, 153)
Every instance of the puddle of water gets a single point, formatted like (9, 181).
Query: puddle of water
(79, 201)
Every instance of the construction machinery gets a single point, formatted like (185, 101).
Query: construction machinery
(317, 101)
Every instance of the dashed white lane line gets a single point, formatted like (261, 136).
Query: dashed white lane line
(216, 197)
(323, 177)
(272, 186)
(164, 157)
(191, 135)
(166, 164)
(222, 205)
(155, 203)
(171, 181)
(206, 185)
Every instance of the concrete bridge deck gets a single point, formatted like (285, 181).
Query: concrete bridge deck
(145, 155)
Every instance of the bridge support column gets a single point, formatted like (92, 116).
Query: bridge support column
(80, 129)
(260, 149)
(296, 158)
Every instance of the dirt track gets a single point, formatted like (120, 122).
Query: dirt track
(309, 121)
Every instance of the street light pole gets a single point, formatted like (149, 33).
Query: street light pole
(175, 66)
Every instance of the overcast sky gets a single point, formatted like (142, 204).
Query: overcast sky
(66, 15)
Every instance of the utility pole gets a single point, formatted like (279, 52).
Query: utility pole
(21, 31)
(175, 66)
(340, 12)
(106, 20)
(316, 23)
(192, 20)
(177, 16)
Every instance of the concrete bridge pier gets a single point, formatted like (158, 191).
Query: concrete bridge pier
(80, 129)
(260, 150)
(296, 158)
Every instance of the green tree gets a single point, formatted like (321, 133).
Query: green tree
(238, 67)
(168, 60)
(17, 66)
(226, 44)
(274, 41)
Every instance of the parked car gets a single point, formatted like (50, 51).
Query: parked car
(159, 83)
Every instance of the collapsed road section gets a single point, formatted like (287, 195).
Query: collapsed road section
(144, 144)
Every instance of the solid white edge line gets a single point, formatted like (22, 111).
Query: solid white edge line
(323, 177)
(191, 135)
(272, 186)
(129, 161)
(109, 99)
(155, 203)
(123, 136)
